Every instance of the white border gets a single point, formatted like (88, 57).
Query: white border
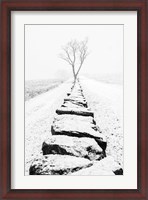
(129, 180)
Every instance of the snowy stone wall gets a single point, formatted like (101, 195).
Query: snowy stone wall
(77, 145)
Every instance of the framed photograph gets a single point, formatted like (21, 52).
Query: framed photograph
(73, 99)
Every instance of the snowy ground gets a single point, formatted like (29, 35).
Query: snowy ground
(39, 115)
(104, 99)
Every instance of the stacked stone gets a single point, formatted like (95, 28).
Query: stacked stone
(77, 146)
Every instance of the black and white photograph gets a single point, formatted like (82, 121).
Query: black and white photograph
(73, 99)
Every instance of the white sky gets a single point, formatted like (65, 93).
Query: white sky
(43, 45)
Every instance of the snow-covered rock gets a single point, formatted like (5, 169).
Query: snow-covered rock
(78, 98)
(72, 105)
(74, 111)
(106, 166)
(70, 102)
(57, 165)
(80, 147)
(77, 126)
(78, 118)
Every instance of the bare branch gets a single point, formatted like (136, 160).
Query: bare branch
(66, 49)
(74, 53)
(65, 58)
(83, 52)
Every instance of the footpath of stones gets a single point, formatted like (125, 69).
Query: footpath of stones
(77, 146)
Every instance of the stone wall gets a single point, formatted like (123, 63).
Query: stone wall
(77, 146)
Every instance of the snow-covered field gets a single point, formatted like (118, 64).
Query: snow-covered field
(36, 87)
(104, 99)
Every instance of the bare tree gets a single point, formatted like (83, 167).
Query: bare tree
(74, 53)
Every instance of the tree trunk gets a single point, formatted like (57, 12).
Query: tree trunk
(75, 77)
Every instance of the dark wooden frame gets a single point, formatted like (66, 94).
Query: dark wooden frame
(7, 6)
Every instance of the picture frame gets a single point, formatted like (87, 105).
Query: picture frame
(5, 90)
